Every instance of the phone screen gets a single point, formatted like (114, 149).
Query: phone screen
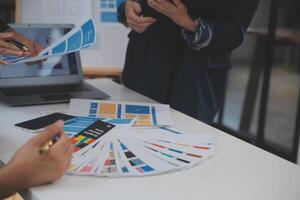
(41, 122)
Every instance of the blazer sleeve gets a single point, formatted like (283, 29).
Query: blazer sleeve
(3, 26)
(228, 30)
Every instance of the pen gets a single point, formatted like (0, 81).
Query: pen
(46, 147)
(19, 45)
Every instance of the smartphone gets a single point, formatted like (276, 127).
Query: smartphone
(38, 124)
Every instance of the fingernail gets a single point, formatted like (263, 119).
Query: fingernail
(59, 123)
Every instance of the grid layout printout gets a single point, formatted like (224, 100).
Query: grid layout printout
(121, 152)
(144, 114)
(80, 37)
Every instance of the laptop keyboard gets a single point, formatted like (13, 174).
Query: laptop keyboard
(42, 90)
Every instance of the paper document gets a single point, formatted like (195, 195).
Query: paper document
(80, 37)
(144, 114)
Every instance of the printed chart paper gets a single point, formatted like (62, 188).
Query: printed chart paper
(144, 114)
(80, 37)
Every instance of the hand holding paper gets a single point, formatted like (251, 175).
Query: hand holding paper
(80, 37)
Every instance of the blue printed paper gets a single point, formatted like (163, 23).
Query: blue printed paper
(80, 37)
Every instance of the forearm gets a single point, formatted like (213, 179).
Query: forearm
(8, 181)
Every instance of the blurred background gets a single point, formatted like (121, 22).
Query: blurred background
(261, 100)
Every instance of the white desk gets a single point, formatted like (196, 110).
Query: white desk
(237, 171)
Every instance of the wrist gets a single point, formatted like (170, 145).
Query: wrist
(8, 181)
(185, 22)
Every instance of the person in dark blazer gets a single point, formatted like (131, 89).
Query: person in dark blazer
(179, 50)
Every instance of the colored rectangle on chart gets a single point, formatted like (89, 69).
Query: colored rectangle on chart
(107, 109)
(136, 109)
(153, 115)
(109, 17)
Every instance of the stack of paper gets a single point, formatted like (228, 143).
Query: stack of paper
(113, 148)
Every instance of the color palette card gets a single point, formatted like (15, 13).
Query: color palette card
(87, 137)
(119, 152)
(81, 123)
(144, 114)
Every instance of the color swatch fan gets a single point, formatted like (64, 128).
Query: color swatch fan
(105, 149)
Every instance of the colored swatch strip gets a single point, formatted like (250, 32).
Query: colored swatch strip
(174, 150)
(135, 162)
(185, 145)
(88, 168)
(80, 142)
(154, 150)
(169, 156)
(123, 166)
(110, 165)
(171, 131)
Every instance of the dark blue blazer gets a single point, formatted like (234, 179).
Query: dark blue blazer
(160, 65)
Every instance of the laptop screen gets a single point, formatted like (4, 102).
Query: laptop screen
(53, 67)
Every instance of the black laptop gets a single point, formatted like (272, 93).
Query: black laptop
(56, 80)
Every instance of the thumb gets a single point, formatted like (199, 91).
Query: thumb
(137, 8)
(2, 62)
(49, 133)
(178, 3)
(7, 35)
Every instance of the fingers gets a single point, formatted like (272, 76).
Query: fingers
(38, 48)
(136, 22)
(49, 133)
(132, 16)
(140, 28)
(62, 147)
(178, 4)
(7, 45)
(157, 5)
(5, 51)
(33, 47)
(9, 49)
(8, 35)
(69, 151)
(142, 24)
(3, 62)
(137, 8)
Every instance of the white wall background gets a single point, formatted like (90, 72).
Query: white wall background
(109, 50)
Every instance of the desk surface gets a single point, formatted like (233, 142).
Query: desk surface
(237, 170)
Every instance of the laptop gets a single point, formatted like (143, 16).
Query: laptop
(56, 80)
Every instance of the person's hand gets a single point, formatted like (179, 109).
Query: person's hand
(175, 10)
(31, 168)
(7, 48)
(136, 22)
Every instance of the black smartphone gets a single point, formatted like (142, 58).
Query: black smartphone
(38, 124)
